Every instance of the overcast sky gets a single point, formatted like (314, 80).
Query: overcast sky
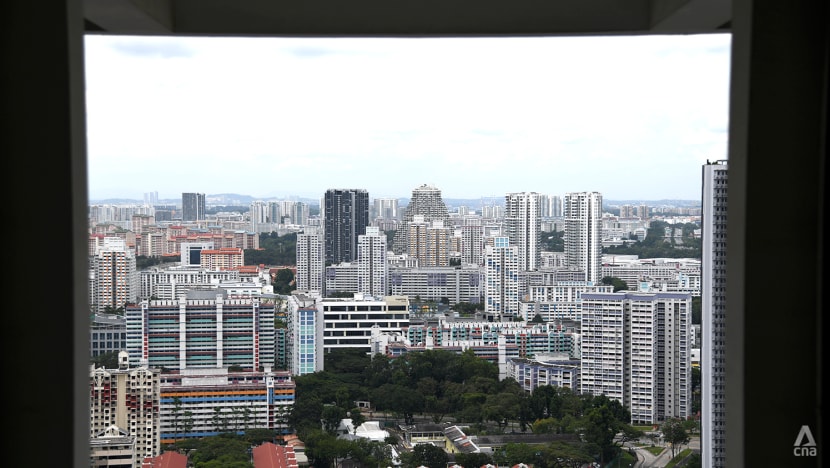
(633, 117)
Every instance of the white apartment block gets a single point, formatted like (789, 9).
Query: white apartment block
(713, 315)
(636, 350)
(556, 370)
(341, 277)
(561, 300)
(371, 263)
(128, 398)
(522, 217)
(349, 322)
(310, 260)
(662, 274)
(583, 241)
(113, 279)
(458, 284)
(501, 279)
(472, 240)
(170, 283)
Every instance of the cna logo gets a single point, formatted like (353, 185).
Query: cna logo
(803, 448)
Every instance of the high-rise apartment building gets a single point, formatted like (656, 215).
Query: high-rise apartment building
(385, 209)
(583, 242)
(371, 263)
(501, 280)
(426, 201)
(113, 276)
(345, 217)
(636, 350)
(472, 240)
(128, 398)
(713, 315)
(522, 219)
(310, 260)
(193, 206)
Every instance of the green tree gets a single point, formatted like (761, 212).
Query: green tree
(674, 434)
(619, 285)
(427, 455)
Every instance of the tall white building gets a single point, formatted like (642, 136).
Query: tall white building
(636, 349)
(371, 263)
(113, 276)
(501, 279)
(472, 240)
(310, 260)
(583, 240)
(522, 217)
(713, 315)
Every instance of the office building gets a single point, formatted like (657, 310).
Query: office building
(191, 252)
(713, 314)
(636, 350)
(193, 207)
(371, 263)
(583, 242)
(522, 218)
(127, 398)
(349, 321)
(107, 334)
(501, 280)
(426, 201)
(204, 329)
(310, 260)
(345, 217)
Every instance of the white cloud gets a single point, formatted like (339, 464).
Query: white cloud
(633, 117)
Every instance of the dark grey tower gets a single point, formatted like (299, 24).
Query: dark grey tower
(193, 206)
(345, 217)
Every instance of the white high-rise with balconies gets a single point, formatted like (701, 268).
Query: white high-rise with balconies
(310, 260)
(522, 222)
(636, 350)
(371, 263)
(713, 315)
(583, 225)
(501, 279)
(426, 201)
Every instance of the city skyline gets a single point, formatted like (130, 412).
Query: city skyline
(476, 118)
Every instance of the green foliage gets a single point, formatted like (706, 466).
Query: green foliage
(553, 241)
(675, 435)
(619, 285)
(467, 307)
(426, 455)
(143, 262)
(284, 281)
(655, 244)
(273, 250)
(106, 360)
(696, 310)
